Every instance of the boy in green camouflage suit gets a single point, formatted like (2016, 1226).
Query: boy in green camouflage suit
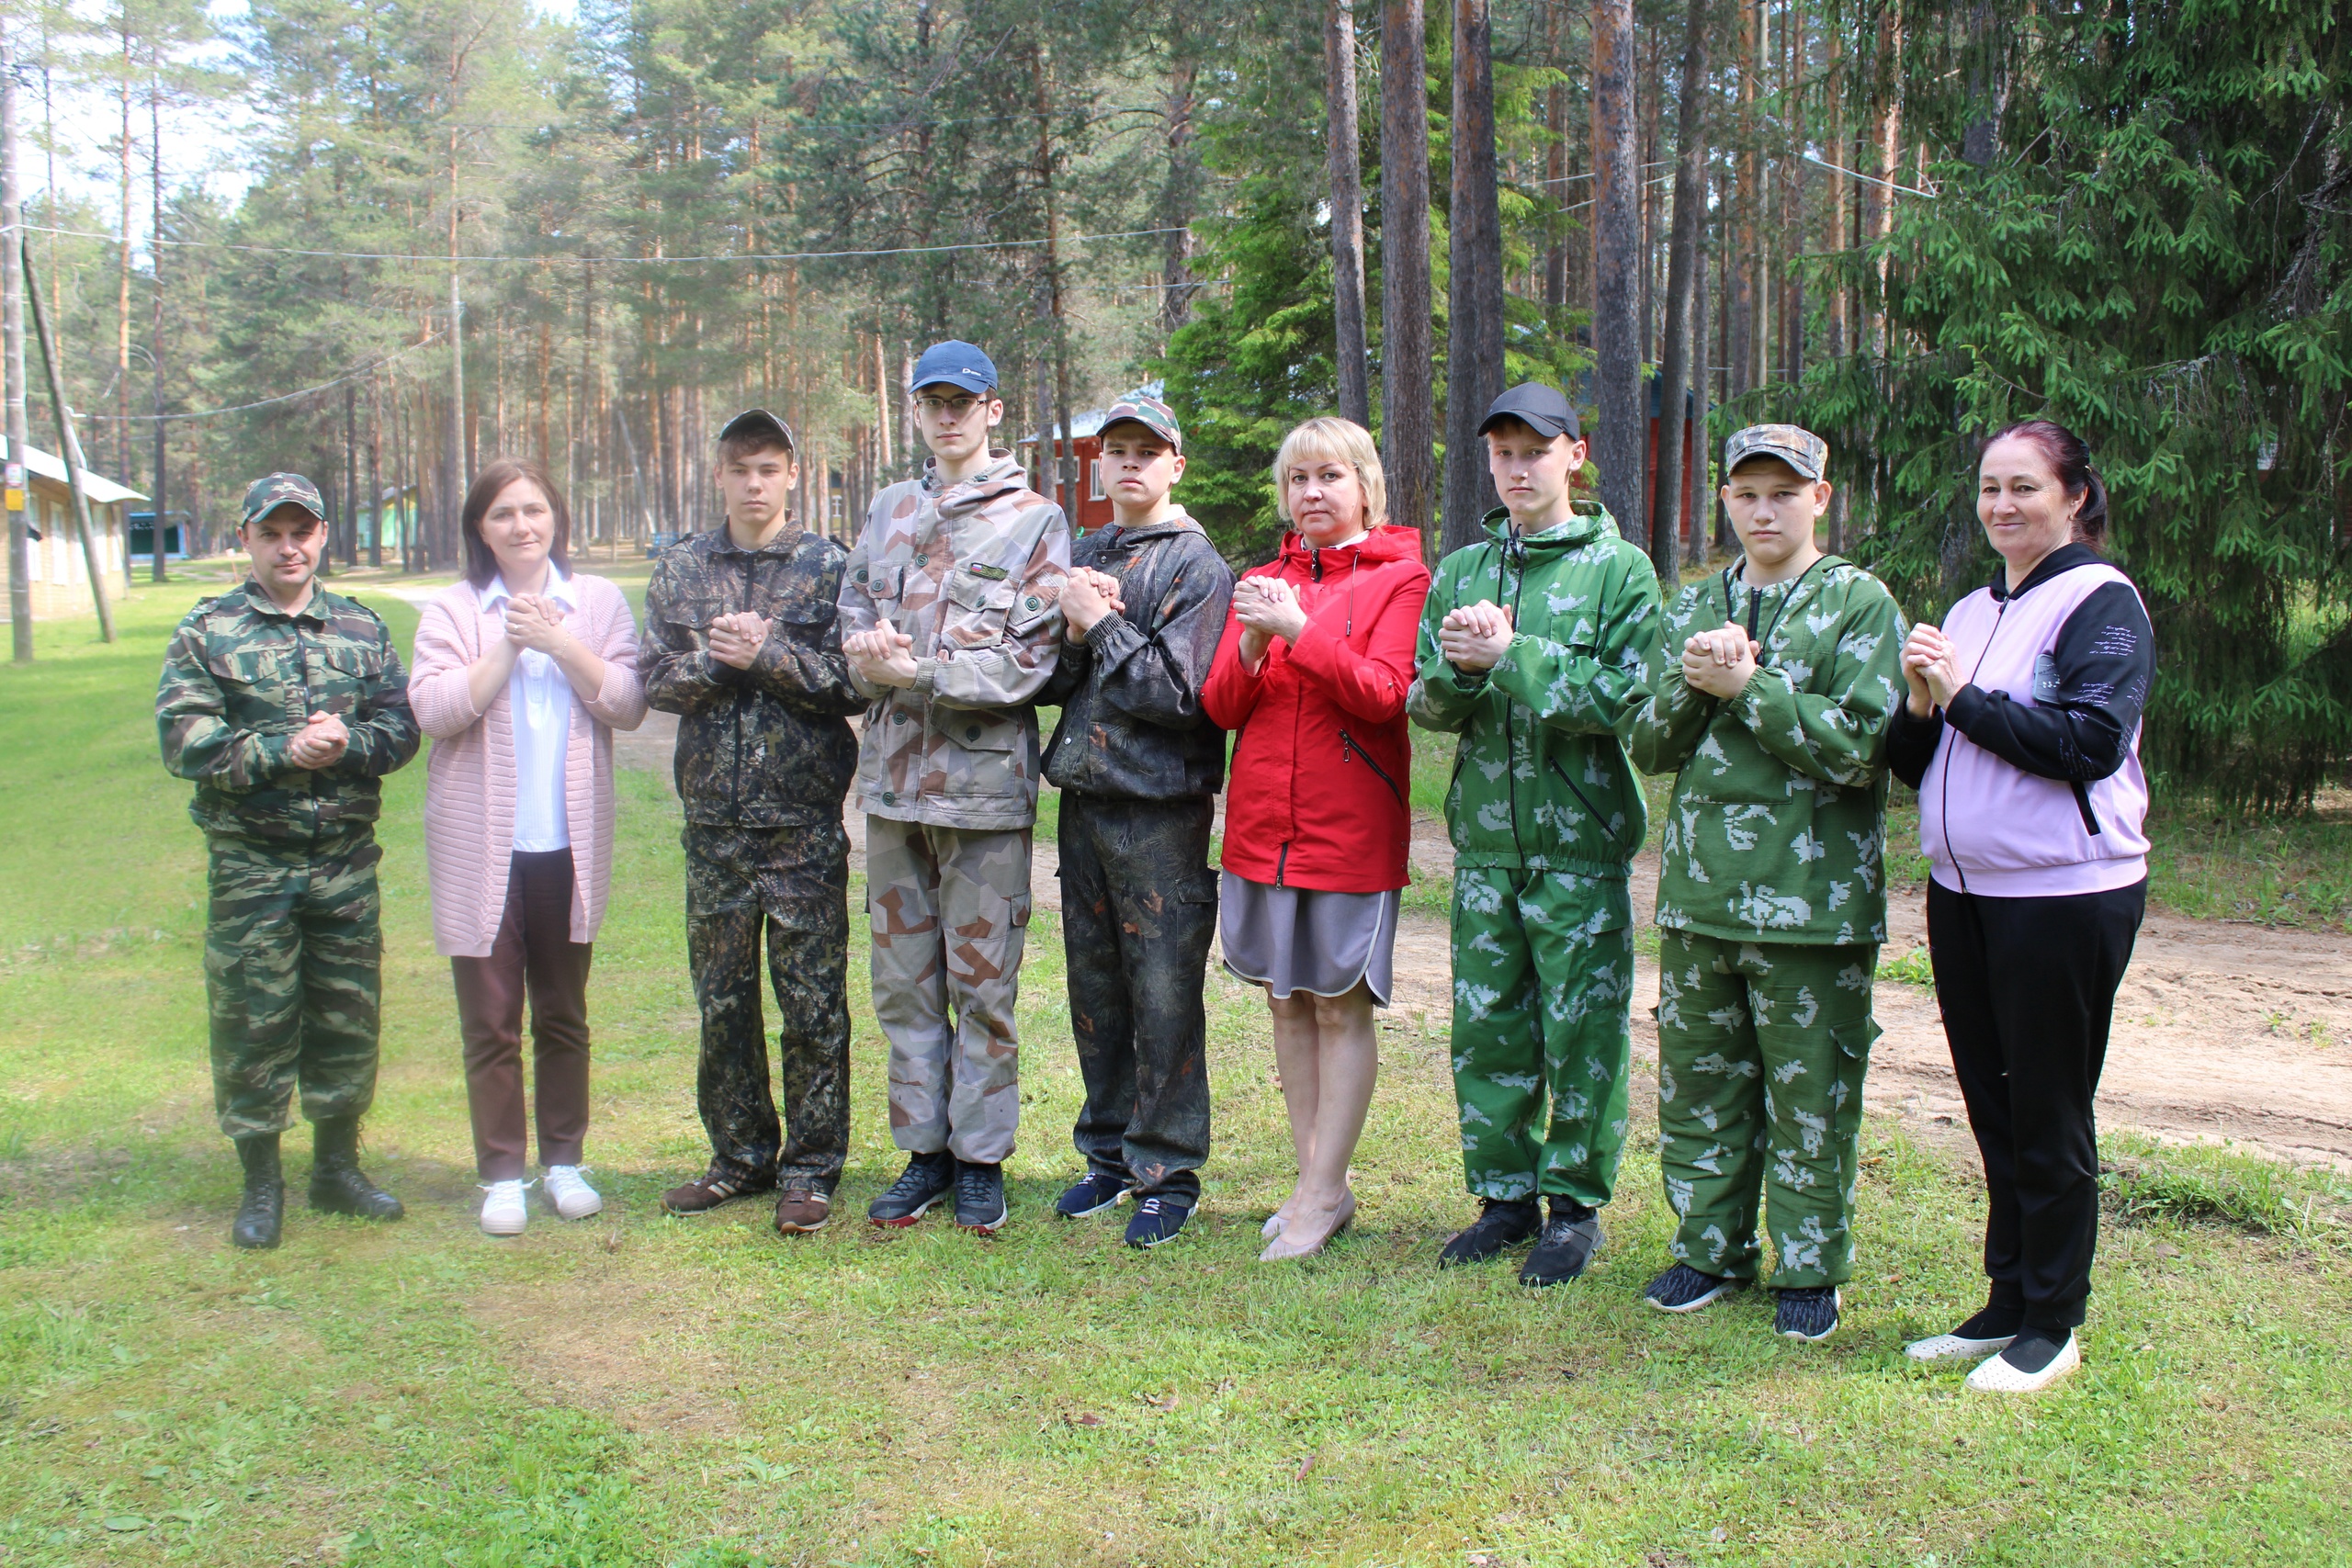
(1532, 650)
(1774, 688)
(287, 704)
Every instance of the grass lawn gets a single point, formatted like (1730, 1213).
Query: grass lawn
(637, 1390)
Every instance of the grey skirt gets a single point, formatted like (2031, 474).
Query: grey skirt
(1303, 939)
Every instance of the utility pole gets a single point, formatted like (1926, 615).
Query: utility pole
(12, 348)
(156, 261)
(1618, 447)
(69, 447)
(1345, 155)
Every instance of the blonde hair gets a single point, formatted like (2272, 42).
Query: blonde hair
(1341, 440)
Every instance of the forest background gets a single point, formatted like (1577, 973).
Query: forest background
(1899, 222)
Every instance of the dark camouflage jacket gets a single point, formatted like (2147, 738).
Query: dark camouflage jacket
(767, 747)
(1132, 727)
(243, 676)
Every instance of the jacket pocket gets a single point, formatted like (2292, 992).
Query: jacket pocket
(976, 752)
(977, 608)
(1350, 748)
(1613, 838)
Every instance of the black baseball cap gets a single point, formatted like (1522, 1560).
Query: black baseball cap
(761, 422)
(1544, 409)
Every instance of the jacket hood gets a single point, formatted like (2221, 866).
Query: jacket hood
(1586, 521)
(1003, 476)
(1384, 544)
(2065, 559)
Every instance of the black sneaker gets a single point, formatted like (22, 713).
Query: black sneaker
(1808, 1313)
(1504, 1222)
(979, 1197)
(1092, 1193)
(1566, 1245)
(924, 1182)
(1157, 1219)
(1685, 1289)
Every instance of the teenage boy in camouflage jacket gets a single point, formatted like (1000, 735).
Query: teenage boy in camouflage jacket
(1138, 765)
(1774, 689)
(286, 706)
(953, 622)
(1532, 650)
(742, 643)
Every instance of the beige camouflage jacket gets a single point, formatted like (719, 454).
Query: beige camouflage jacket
(972, 573)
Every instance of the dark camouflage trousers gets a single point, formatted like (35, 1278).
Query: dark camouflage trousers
(794, 883)
(292, 953)
(1138, 909)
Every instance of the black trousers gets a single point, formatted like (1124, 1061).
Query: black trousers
(1138, 909)
(2027, 989)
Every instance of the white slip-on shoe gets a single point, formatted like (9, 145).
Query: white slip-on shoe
(1954, 1347)
(1999, 1375)
(503, 1211)
(570, 1192)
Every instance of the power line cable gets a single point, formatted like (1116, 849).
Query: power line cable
(353, 375)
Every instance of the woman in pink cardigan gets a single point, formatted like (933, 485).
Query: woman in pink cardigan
(523, 671)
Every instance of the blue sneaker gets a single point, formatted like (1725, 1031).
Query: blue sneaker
(1157, 1219)
(1094, 1191)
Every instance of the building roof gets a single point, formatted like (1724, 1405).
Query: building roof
(1090, 422)
(102, 491)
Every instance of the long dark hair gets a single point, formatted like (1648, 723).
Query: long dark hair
(481, 564)
(2072, 460)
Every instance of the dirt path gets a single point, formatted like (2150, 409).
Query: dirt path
(2222, 1031)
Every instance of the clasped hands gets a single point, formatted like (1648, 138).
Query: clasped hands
(536, 622)
(735, 639)
(1267, 608)
(1474, 638)
(1720, 662)
(320, 743)
(881, 657)
(1931, 669)
(1088, 595)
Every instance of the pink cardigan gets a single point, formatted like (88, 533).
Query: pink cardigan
(469, 779)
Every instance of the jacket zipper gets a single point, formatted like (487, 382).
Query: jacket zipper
(735, 775)
(1282, 859)
(1553, 762)
(2082, 799)
(1350, 747)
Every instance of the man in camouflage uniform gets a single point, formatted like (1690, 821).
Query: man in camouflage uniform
(286, 704)
(1138, 765)
(740, 641)
(1774, 688)
(951, 611)
(1532, 649)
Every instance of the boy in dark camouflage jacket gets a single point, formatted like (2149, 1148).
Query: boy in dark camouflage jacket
(287, 704)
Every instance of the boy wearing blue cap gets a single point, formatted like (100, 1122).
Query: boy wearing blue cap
(951, 611)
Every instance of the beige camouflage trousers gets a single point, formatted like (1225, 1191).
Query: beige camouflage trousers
(950, 908)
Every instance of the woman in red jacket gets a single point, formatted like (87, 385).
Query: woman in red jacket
(1312, 672)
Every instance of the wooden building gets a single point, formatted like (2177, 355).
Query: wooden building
(60, 582)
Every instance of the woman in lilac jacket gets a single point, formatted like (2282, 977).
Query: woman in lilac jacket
(2022, 736)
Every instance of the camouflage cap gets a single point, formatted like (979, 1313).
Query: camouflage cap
(271, 491)
(760, 424)
(1793, 443)
(1148, 412)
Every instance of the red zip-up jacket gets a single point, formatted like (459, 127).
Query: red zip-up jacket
(1320, 777)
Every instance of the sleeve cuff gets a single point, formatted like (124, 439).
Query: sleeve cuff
(1966, 708)
(926, 678)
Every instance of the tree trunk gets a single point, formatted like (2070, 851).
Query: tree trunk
(1740, 273)
(1408, 416)
(1702, 391)
(1682, 284)
(1473, 350)
(1877, 199)
(1618, 445)
(1347, 211)
(1063, 492)
(375, 475)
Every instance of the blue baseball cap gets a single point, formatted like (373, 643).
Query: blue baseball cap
(955, 362)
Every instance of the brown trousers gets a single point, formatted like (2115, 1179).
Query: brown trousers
(534, 955)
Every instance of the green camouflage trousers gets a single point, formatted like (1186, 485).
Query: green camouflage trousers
(1761, 1048)
(950, 910)
(1542, 977)
(291, 975)
(792, 883)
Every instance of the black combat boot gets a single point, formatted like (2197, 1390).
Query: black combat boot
(261, 1214)
(337, 1184)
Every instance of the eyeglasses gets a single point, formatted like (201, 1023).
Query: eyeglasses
(951, 408)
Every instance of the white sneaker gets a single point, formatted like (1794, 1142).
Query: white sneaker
(570, 1192)
(503, 1213)
(1998, 1376)
(1954, 1347)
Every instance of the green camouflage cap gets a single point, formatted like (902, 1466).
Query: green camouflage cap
(1149, 412)
(274, 491)
(1793, 443)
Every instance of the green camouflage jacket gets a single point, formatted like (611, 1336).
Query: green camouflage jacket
(1778, 825)
(242, 677)
(973, 572)
(767, 747)
(1541, 782)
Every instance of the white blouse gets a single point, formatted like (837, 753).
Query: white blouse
(540, 698)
